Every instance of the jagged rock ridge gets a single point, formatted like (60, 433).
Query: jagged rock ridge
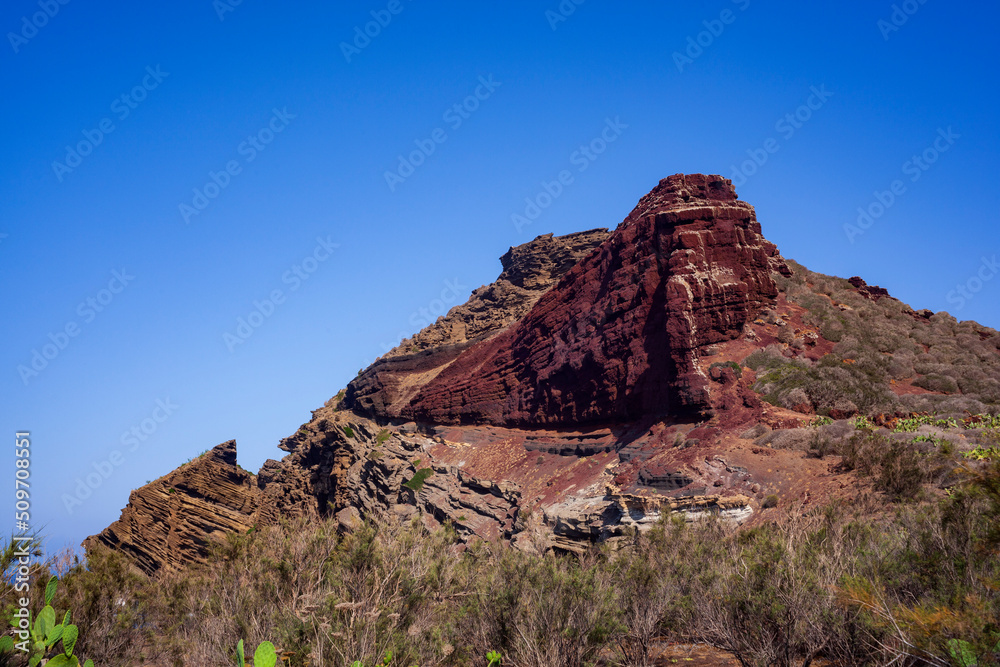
(171, 520)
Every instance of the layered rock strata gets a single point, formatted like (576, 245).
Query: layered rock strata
(617, 339)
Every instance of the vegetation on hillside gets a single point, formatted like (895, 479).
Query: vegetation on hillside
(878, 343)
(855, 584)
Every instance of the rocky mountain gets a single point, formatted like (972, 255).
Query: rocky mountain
(677, 364)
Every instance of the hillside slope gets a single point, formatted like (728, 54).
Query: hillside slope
(675, 364)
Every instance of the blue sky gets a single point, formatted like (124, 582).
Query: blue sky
(180, 164)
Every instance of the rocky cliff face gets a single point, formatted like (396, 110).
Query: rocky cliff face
(619, 337)
(593, 387)
(338, 464)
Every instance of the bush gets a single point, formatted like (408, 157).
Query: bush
(795, 397)
(793, 438)
(821, 445)
(545, 611)
(755, 431)
(938, 383)
(832, 330)
(736, 368)
(109, 632)
(901, 476)
(767, 358)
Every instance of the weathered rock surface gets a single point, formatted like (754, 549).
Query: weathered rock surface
(618, 338)
(338, 464)
(529, 270)
(171, 521)
(873, 292)
(578, 522)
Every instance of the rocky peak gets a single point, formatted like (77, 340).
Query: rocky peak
(617, 339)
(680, 190)
(224, 454)
(171, 521)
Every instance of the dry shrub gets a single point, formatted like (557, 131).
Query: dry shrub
(938, 383)
(105, 596)
(797, 439)
(851, 584)
(768, 594)
(544, 611)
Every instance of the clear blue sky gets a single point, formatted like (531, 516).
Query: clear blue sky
(200, 91)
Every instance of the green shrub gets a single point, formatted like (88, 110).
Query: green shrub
(737, 368)
(417, 481)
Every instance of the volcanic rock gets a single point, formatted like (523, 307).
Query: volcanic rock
(529, 270)
(873, 292)
(618, 338)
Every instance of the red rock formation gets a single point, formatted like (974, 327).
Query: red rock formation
(617, 339)
(873, 292)
(529, 270)
(571, 393)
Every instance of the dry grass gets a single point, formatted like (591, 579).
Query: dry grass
(837, 583)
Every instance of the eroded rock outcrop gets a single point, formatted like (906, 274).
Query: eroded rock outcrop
(339, 464)
(873, 292)
(171, 521)
(578, 522)
(618, 338)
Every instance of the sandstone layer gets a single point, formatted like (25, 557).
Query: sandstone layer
(172, 520)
